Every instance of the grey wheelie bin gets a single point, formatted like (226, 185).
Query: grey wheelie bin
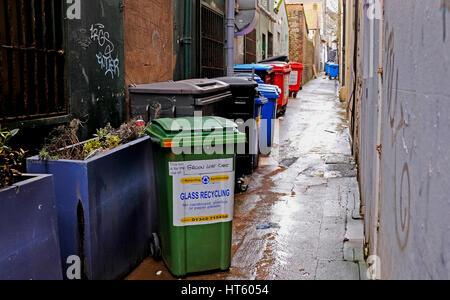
(179, 99)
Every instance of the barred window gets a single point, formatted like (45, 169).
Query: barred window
(32, 59)
(213, 41)
(250, 47)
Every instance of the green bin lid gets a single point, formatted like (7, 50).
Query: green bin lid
(193, 131)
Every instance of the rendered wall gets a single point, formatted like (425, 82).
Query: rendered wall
(281, 32)
(413, 240)
(264, 26)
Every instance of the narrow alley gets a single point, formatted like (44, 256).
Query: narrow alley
(300, 218)
(224, 140)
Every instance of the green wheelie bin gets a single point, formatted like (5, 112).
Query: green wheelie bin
(195, 160)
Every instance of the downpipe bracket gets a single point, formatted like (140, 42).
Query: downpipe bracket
(185, 40)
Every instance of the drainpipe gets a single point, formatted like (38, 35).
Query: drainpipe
(187, 39)
(230, 37)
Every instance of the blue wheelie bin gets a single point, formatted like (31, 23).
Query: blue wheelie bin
(260, 69)
(269, 110)
(269, 115)
(333, 71)
(260, 102)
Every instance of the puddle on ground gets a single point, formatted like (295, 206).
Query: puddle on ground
(288, 162)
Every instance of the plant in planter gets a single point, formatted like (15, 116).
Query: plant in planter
(28, 220)
(11, 161)
(105, 196)
(64, 144)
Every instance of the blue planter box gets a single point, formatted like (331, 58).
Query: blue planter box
(106, 208)
(29, 245)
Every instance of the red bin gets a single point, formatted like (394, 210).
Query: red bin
(295, 81)
(280, 77)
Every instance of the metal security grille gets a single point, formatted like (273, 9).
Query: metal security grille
(32, 59)
(213, 36)
(250, 48)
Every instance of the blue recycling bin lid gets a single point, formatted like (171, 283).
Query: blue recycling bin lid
(256, 77)
(250, 67)
(269, 91)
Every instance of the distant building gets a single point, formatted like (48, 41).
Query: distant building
(301, 47)
(281, 29)
(270, 36)
(315, 12)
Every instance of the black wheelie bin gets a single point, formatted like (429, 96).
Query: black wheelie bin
(242, 111)
(179, 99)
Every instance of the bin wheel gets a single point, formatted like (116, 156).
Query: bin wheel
(155, 247)
(281, 113)
(243, 188)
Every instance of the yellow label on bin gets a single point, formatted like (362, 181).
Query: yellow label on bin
(213, 179)
(204, 219)
(191, 180)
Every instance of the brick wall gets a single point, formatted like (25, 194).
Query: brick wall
(301, 49)
(296, 33)
(148, 40)
(308, 60)
(148, 26)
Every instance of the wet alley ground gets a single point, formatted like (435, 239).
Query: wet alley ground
(300, 218)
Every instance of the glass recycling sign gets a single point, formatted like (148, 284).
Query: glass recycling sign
(203, 192)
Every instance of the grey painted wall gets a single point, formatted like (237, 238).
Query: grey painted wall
(369, 116)
(414, 233)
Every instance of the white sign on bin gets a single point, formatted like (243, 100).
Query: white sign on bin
(294, 78)
(203, 192)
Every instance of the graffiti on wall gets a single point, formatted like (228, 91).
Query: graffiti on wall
(445, 7)
(82, 38)
(105, 56)
(398, 124)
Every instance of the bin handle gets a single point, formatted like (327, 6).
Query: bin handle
(206, 84)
